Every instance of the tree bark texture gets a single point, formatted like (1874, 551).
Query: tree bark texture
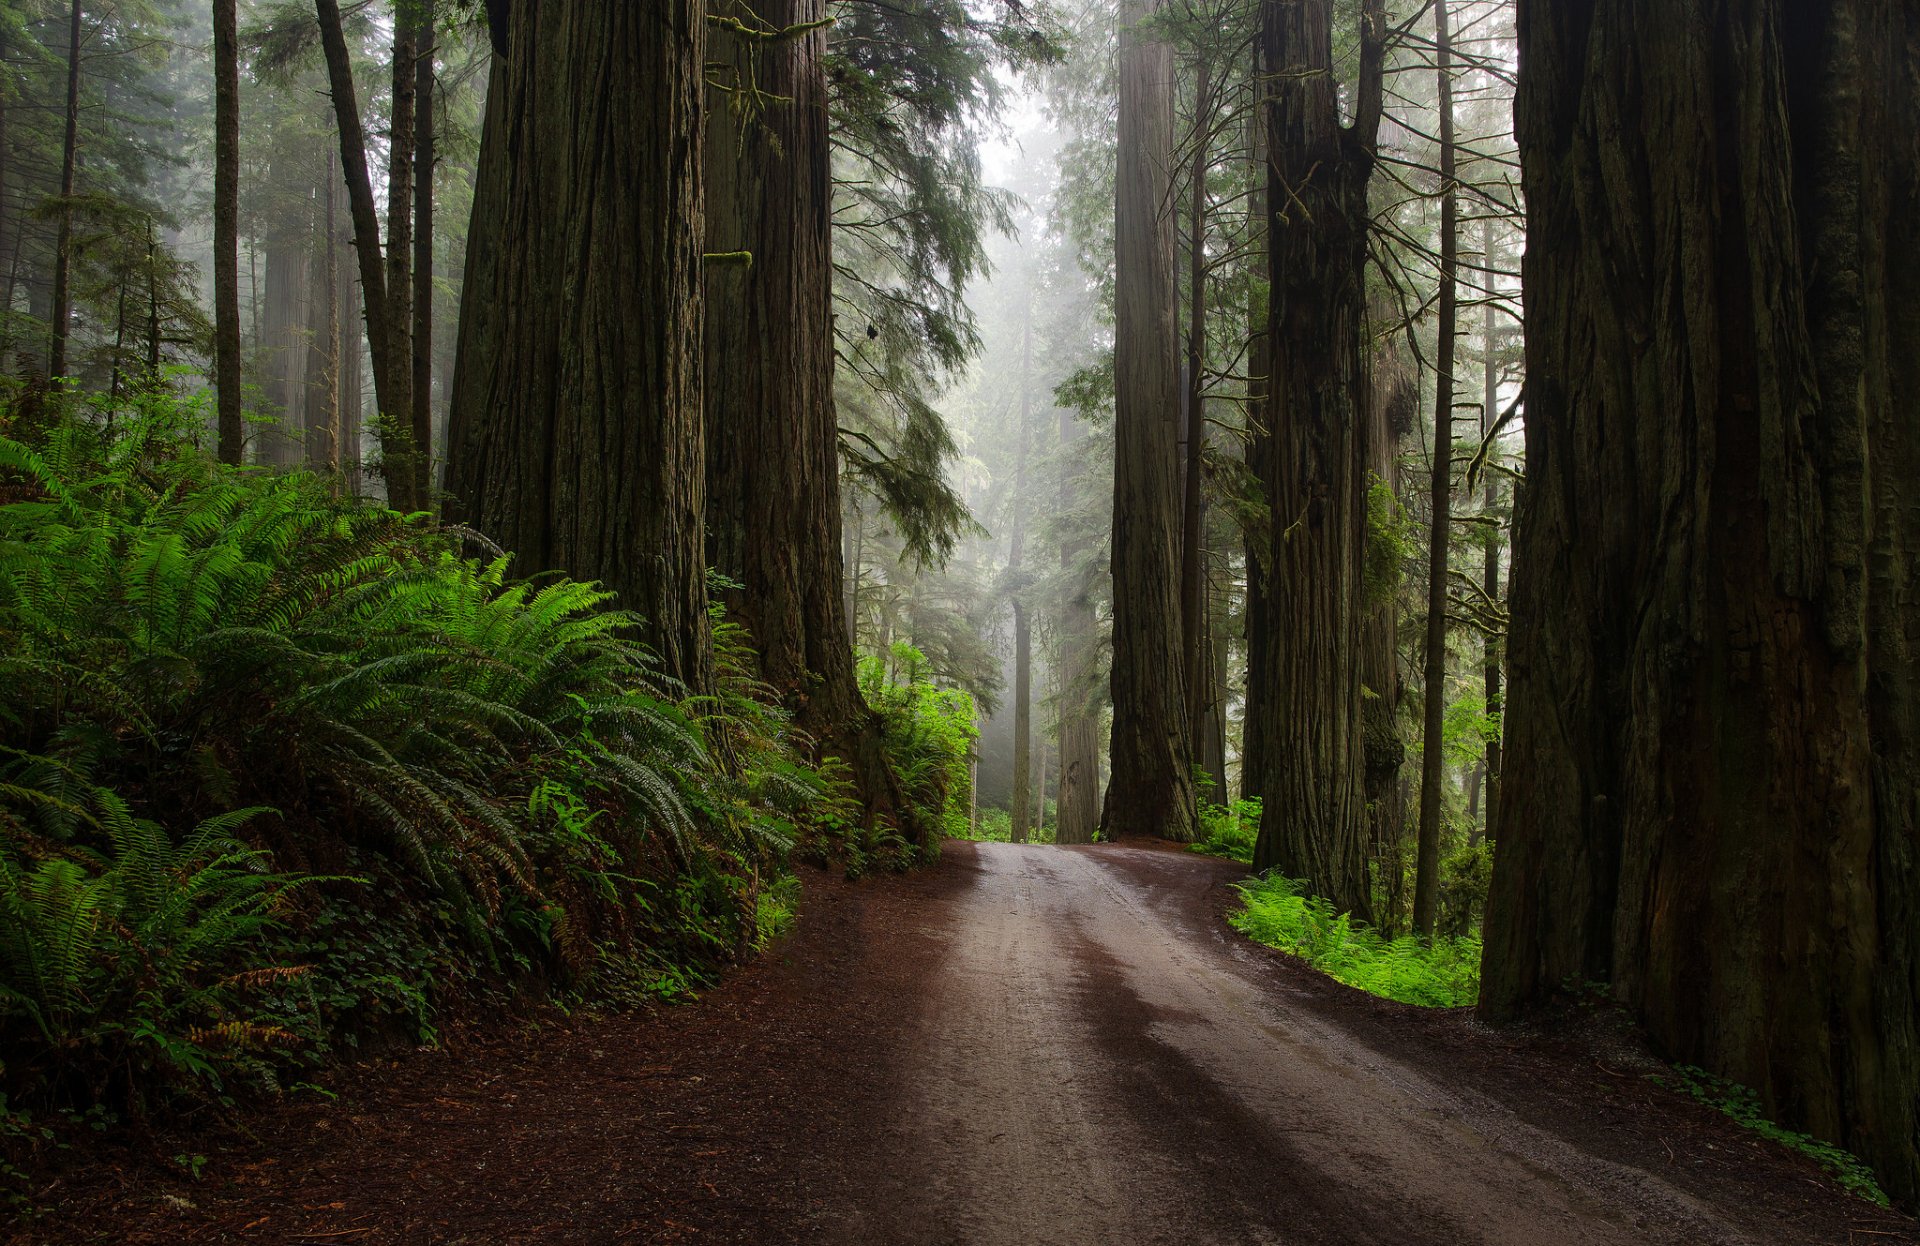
(576, 431)
(1433, 758)
(1077, 812)
(391, 371)
(420, 388)
(1152, 791)
(62, 317)
(1393, 411)
(229, 423)
(1713, 763)
(1490, 570)
(774, 519)
(1314, 461)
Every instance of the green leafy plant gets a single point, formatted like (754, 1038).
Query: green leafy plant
(1743, 1105)
(1229, 830)
(930, 736)
(1280, 913)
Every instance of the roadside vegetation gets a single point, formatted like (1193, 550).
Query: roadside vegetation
(287, 776)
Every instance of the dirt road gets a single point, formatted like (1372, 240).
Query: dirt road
(1028, 1045)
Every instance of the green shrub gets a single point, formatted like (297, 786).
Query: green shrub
(472, 782)
(930, 734)
(996, 827)
(1230, 830)
(1280, 913)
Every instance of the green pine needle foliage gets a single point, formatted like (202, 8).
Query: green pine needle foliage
(1280, 913)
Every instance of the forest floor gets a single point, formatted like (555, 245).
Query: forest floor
(1024, 1045)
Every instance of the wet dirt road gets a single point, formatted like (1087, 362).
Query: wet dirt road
(1096, 1062)
(1023, 1046)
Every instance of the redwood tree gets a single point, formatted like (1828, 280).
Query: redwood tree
(1713, 748)
(1151, 791)
(773, 466)
(576, 437)
(1305, 687)
(226, 228)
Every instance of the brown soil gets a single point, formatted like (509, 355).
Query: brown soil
(1024, 1045)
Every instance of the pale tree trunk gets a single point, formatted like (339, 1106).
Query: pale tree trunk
(226, 231)
(1022, 802)
(1713, 767)
(1151, 792)
(1077, 812)
(576, 431)
(402, 455)
(1193, 522)
(285, 320)
(1433, 772)
(1313, 462)
(1393, 410)
(62, 317)
(420, 391)
(1490, 572)
(1259, 441)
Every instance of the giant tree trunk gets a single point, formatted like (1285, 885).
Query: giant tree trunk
(226, 230)
(1151, 792)
(774, 522)
(575, 439)
(1713, 762)
(1307, 697)
(1193, 438)
(1077, 813)
(1433, 761)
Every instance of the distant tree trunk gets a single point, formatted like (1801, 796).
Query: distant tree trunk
(63, 248)
(1213, 737)
(351, 385)
(286, 319)
(1077, 813)
(391, 371)
(401, 451)
(575, 438)
(1021, 803)
(1433, 762)
(1193, 526)
(1259, 443)
(1490, 573)
(1393, 410)
(773, 460)
(1308, 697)
(226, 230)
(1713, 768)
(421, 388)
(323, 351)
(1151, 792)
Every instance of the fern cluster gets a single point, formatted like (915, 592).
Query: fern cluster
(930, 734)
(442, 777)
(1280, 913)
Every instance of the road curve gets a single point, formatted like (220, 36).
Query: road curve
(1096, 1061)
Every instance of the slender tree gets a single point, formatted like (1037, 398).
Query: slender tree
(1151, 791)
(1312, 457)
(1022, 799)
(392, 370)
(1490, 571)
(1713, 762)
(63, 246)
(576, 431)
(1433, 773)
(1193, 520)
(226, 228)
(420, 391)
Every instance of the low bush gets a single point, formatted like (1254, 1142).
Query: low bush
(1280, 913)
(1229, 830)
(930, 732)
(282, 772)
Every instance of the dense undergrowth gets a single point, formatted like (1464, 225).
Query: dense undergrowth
(1443, 973)
(284, 774)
